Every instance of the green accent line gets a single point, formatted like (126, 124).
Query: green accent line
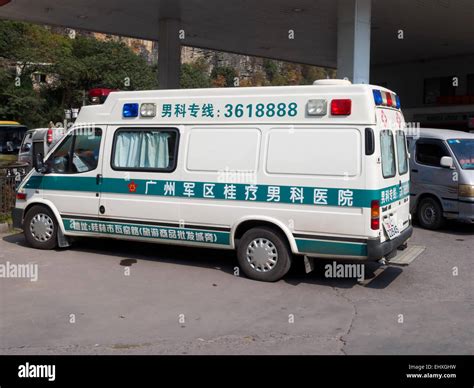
(331, 247)
(320, 196)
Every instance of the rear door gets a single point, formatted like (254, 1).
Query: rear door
(394, 194)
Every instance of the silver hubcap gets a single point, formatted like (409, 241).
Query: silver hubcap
(41, 227)
(262, 255)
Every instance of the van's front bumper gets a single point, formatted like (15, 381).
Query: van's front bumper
(466, 210)
(17, 217)
(376, 249)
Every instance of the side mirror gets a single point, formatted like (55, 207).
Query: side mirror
(39, 165)
(447, 162)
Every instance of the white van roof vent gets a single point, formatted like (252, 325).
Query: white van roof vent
(325, 82)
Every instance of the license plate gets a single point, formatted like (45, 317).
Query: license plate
(392, 230)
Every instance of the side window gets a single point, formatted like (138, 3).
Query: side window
(430, 152)
(59, 160)
(387, 153)
(401, 153)
(85, 155)
(145, 149)
(78, 153)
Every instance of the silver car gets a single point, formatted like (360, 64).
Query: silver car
(43, 139)
(442, 176)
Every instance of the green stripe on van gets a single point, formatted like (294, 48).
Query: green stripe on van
(331, 247)
(321, 196)
(152, 232)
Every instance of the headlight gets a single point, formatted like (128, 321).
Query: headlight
(466, 190)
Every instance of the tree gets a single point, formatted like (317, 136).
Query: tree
(223, 76)
(194, 75)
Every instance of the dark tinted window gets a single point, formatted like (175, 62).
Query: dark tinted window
(430, 152)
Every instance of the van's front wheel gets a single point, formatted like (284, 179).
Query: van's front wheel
(264, 254)
(430, 214)
(40, 228)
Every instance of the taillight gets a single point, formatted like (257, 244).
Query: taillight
(375, 215)
(341, 107)
(49, 136)
(21, 196)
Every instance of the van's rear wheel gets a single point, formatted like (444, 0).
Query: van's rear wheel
(430, 214)
(263, 254)
(40, 228)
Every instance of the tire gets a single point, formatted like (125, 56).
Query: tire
(255, 251)
(41, 228)
(430, 214)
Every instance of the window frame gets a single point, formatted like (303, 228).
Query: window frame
(145, 129)
(437, 142)
(395, 169)
(59, 144)
(405, 145)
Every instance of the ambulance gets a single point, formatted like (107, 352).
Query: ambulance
(278, 174)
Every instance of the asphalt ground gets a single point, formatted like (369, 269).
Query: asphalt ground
(116, 297)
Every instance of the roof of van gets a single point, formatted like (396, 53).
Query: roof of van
(445, 134)
(363, 107)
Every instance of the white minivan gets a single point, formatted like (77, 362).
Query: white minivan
(277, 173)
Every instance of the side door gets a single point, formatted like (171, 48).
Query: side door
(140, 182)
(431, 177)
(71, 183)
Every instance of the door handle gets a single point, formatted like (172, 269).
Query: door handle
(98, 179)
(413, 170)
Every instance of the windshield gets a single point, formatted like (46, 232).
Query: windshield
(464, 151)
(10, 139)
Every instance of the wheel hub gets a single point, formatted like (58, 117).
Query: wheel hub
(262, 255)
(41, 227)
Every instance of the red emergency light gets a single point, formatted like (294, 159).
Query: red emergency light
(99, 95)
(341, 107)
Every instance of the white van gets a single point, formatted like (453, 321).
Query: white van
(276, 173)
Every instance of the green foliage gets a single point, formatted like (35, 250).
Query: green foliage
(72, 65)
(195, 75)
(225, 73)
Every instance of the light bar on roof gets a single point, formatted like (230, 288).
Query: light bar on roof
(383, 98)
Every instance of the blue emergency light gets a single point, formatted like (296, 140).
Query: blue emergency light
(378, 97)
(386, 99)
(130, 110)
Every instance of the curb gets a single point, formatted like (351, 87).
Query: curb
(4, 227)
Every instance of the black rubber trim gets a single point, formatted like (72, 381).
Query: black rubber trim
(376, 249)
(329, 238)
(17, 217)
(170, 224)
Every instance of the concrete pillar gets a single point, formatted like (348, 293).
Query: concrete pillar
(353, 40)
(169, 54)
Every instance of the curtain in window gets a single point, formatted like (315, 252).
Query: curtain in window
(142, 149)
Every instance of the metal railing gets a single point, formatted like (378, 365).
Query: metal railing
(10, 179)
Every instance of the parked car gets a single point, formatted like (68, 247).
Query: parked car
(442, 176)
(44, 138)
